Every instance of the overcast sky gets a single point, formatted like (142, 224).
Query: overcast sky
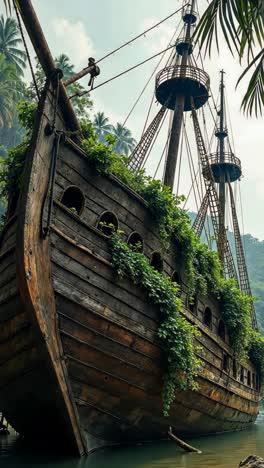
(82, 29)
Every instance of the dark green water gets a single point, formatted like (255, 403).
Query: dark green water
(222, 451)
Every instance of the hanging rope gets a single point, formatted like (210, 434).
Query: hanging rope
(140, 35)
(120, 74)
(155, 139)
(26, 49)
(180, 159)
(162, 155)
(146, 85)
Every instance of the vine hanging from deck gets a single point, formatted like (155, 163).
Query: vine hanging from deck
(175, 333)
(201, 266)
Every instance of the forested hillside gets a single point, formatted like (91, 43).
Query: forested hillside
(254, 250)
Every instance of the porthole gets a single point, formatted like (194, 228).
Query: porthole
(221, 330)
(73, 199)
(234, 369)
(193, 302)
(157, 261)
(242, 374)
(12, 204)
(135, 241)
(177, 279)
(254, 380)
(249, 378)
(225, 362)
(208, 317)
(108, 223)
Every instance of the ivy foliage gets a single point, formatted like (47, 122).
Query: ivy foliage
(167, 215)
(236, 313)
(256, 354)
(201, 266)
(175, 332)
(11, 166)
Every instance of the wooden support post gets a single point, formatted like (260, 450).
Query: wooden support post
(173, 150)
(182, 444)
(46, 60)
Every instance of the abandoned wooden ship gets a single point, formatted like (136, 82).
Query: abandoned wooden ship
(80, 361)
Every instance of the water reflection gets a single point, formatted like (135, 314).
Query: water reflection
(222, 451)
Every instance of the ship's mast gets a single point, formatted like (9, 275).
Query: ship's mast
(176, 128)
(45, 58)
(221, 134)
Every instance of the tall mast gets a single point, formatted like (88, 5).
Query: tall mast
(45, 58)
(221, 134)
(176, 127)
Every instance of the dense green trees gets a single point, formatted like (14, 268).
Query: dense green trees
(102, 126)
(10, 87)
(125, 143)
(10, 43)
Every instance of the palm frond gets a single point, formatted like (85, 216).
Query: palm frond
(253, 101)
(238, 19)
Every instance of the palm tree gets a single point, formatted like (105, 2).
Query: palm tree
(63, 62)
(9, 90)
(125, 143)
(241, 22)
(102, 126)
(9, 43)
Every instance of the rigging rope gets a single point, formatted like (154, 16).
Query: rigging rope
(163, 152)
(180, 161)
(121, 74)
(155, 139)
(139, 35)
(26, 49)
(150, 78)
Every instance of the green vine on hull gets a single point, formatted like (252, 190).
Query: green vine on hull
(175, 332)
(200, 265)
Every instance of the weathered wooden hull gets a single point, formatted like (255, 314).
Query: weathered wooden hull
(79, 355)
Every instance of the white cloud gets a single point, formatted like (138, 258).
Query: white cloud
(159, 38)
(74, 40)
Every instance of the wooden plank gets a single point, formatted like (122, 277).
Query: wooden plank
(10, 308)
(13, 326)
(9, 291)
(106, 300)
(109, 363)
(18, 365)
(102, 324)
(80, 304)
(24, 339)
(8, 275)
(101, 276)
(108, 345)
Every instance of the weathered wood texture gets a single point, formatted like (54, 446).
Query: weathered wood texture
(78, 346)
(29, 345)
(108, 329)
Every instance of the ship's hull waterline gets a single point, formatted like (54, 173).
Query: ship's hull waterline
(79, 357)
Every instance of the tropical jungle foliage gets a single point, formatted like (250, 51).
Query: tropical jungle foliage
(124, 141)
(201, 266)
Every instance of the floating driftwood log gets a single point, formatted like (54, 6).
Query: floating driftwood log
(252, 462)
(182, 444)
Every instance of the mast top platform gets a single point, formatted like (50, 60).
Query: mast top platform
(230, 166)
(184, 46)
(189, 81)
(189, 16)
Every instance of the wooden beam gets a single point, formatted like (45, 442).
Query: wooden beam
(45, 57)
